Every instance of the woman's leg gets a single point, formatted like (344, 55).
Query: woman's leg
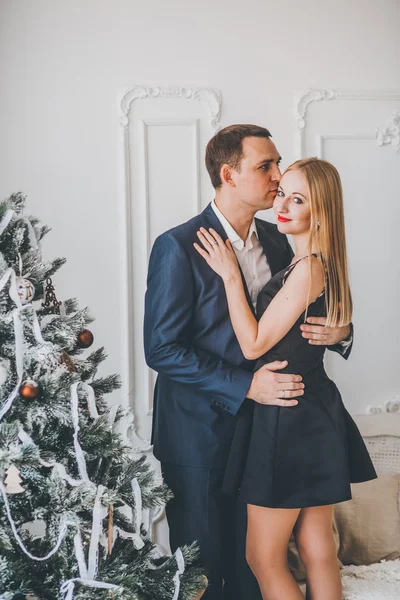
(268, 533)
(316, 545)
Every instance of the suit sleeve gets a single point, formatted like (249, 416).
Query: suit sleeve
(344, 348)
(169, 306)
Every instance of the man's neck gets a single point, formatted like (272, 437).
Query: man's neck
(238, 215)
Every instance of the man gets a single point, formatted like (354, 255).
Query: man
(203, 377)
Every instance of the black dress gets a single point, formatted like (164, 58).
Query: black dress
(299, 456)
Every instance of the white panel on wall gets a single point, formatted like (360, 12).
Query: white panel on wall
(164, 137)
(174, 191)
(359, 133)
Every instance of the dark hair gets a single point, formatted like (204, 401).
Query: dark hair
(225, 148)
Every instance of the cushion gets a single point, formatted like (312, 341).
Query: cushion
(369, 523)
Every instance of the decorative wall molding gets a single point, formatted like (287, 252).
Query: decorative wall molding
(210, 96)
(131, 436)
(390, 132)
(211, 99)
(321, 139)
(307, 98)
(167, 122)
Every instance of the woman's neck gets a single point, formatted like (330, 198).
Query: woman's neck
(302, 246)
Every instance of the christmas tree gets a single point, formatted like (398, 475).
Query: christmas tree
(75, 505)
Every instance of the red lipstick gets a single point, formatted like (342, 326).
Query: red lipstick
(283, 220)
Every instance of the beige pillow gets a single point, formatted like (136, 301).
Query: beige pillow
(295, 565)
(369, 523)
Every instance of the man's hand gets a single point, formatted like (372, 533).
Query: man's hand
(269, 387)
(318, 334)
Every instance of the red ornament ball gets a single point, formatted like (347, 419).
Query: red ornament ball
(85, 339)
(29, 390)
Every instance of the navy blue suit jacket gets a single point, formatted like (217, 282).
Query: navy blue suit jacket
(203, 376)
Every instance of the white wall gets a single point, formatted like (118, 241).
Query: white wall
(63, 65)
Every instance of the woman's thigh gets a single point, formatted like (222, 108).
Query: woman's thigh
(268, 533)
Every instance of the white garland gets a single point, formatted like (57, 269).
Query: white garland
(138, 513)
(180, 561)
(61, 535)
(18, 335)
(87, 572)
(67, 587)
(58, 467)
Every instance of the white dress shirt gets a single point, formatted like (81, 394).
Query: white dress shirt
(250, 254)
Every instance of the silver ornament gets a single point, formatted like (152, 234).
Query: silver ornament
(25, 289)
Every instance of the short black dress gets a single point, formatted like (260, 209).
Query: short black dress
(299, 456)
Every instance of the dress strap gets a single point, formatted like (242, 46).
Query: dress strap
(303, 257)
(291, 266)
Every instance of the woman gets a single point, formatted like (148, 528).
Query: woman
(290, 465)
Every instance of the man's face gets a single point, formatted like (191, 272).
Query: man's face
(256, 182)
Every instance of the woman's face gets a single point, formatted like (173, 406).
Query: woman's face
(291, 204)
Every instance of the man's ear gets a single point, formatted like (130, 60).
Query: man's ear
(226, 175)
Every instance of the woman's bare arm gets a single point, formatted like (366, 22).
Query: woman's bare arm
(256, 338)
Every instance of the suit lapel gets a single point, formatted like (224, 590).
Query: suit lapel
(271, 249)
(212, 221)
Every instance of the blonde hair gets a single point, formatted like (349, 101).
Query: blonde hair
(327, 235)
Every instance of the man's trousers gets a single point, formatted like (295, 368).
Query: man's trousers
(200, 512)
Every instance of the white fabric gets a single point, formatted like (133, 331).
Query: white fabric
(180, 562)
(99, 514)
(250, 254)
(80, 458)
(80, 555)
(380, 581)
(67, 588)
(137, 494)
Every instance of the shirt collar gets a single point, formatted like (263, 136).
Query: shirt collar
(233, 237)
